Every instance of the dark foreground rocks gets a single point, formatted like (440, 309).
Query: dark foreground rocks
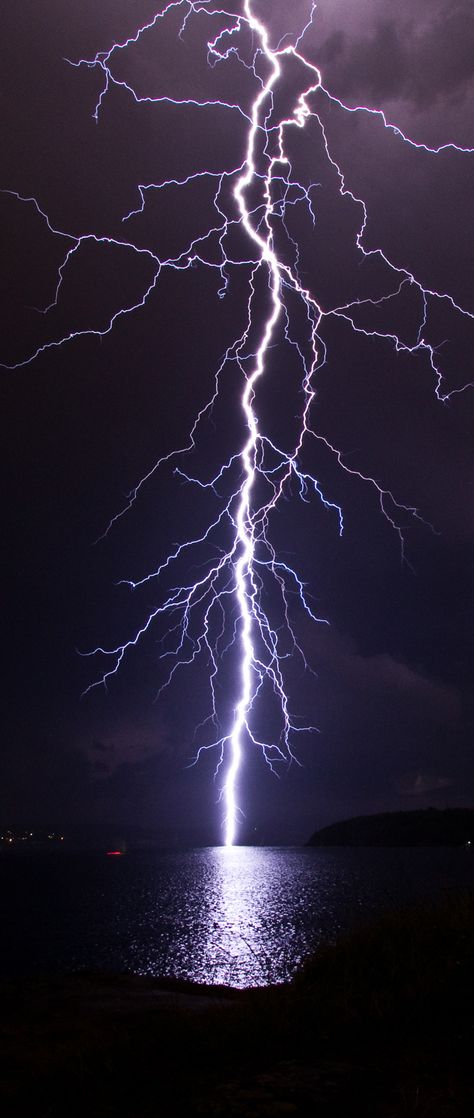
(381, 1024)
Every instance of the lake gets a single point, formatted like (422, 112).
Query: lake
(241, 916)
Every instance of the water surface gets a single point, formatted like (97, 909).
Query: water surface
(241, 916)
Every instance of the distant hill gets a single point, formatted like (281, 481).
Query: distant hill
(452, 827)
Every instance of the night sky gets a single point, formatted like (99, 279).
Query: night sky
(391, 692)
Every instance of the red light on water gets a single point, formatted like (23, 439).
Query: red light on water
(114, 853)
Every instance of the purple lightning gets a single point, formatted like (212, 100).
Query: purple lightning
(254, 198)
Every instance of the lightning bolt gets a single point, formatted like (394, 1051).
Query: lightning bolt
(224, 612)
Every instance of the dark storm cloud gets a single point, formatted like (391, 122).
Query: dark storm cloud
(100, 768)
(397, 59)
(43, 779)
(383, 675)
(420, 784)
(377, 698)
(388, 731)
(100, 746)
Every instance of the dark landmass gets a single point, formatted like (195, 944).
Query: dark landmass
(88, 836)
(16, 838)
(432, 827)
(379, 1025)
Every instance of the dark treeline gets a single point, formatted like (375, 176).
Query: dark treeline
(431, 827)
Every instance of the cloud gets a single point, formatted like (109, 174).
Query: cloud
(383, 678)
(43, 779)
(404, 59)
(100, 746)
(100, 768)
(379, 719)
(125, 740)
(422, 784)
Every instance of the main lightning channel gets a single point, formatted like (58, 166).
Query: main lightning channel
(245, 531)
